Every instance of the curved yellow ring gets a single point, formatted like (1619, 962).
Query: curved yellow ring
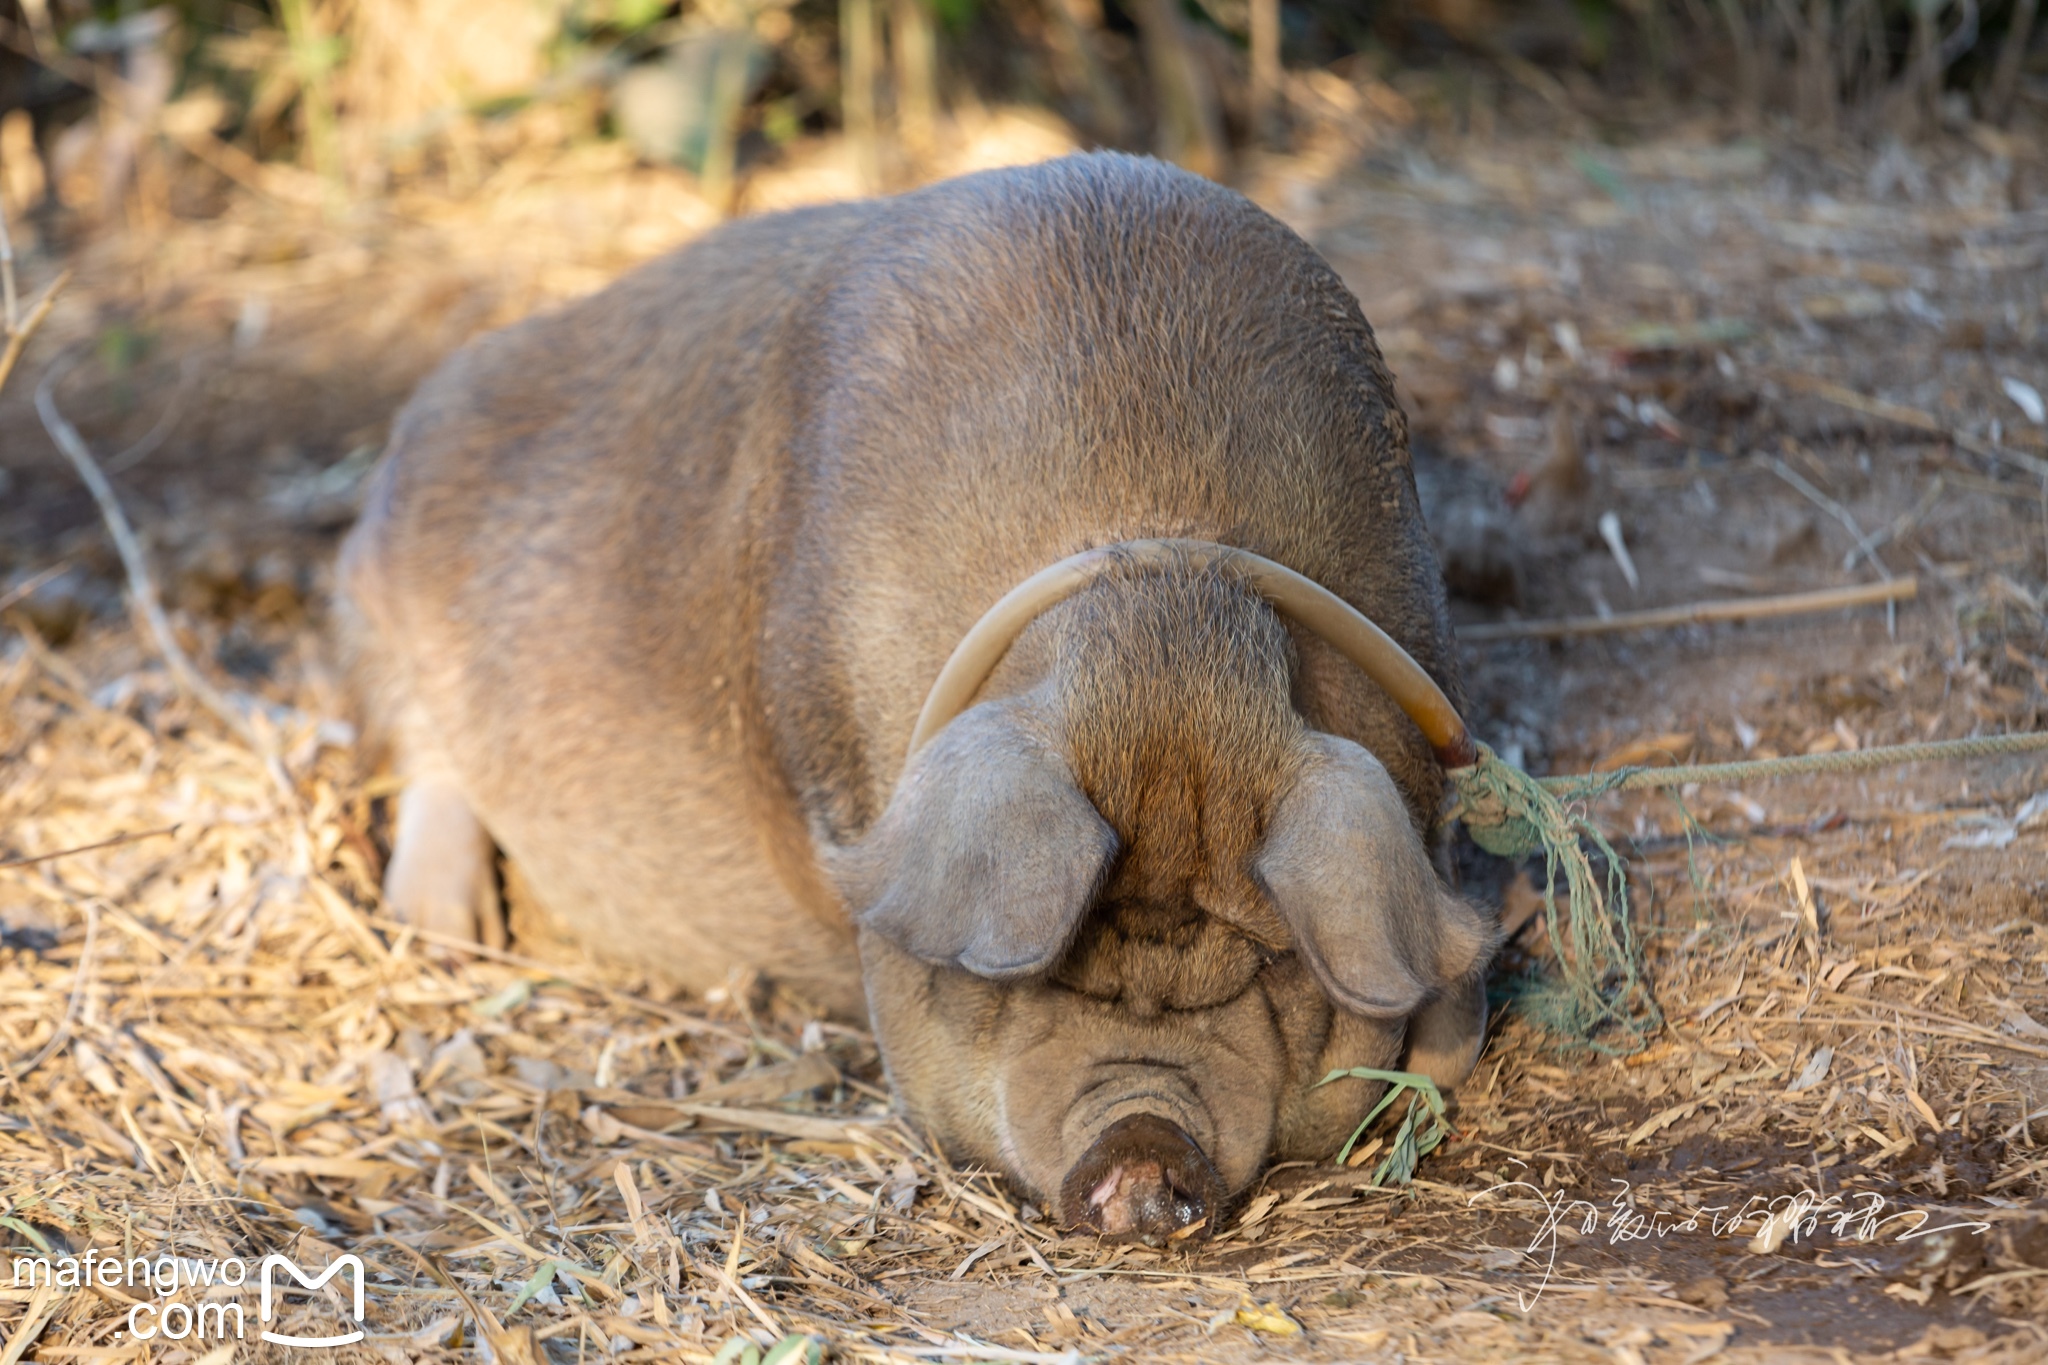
(1301, 599)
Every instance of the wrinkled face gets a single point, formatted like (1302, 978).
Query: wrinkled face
(1125, 1124)
(1115, 927)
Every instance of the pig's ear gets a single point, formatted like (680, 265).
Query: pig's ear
(1343, 865)
(988, 854)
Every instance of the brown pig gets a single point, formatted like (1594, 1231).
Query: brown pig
(649, 591)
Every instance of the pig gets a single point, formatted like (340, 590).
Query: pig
(647, 594)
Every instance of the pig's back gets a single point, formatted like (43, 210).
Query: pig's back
(1020, 365)
(613, 426)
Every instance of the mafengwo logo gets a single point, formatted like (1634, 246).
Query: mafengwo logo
(275, 1262)
(218, 1320)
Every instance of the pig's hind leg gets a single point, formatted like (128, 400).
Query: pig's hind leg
(441, 878)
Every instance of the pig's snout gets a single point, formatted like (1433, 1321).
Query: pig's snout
(1144, 1179)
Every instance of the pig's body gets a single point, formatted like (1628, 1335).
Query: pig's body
(654, 587)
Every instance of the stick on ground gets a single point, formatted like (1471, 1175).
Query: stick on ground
(140, 585)
(17, 338)
(7, 299)
(1915, 418)
(1698, 613)
(94, 847)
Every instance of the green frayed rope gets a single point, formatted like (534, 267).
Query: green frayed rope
(1604, 998)
(1757, 769)
(1604, 990)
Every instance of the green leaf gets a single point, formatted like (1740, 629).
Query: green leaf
(1411, 1141)
(1407, 1080)
(801, 1349)
(1606, 177)
(505, 1001)
(41, 1242)
(541, 1279)
(955, 15)
(738, 1351)
(1413, 1082)
(1398, 1166)
(634, 15)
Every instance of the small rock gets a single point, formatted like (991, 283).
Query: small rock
(1708, 1292)
(308, 1216)
(539, 1072)
(1948, 1341)
(606, 1129)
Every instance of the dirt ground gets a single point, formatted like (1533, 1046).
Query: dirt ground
(1778, 370)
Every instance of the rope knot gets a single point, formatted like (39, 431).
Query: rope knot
(1512, 815)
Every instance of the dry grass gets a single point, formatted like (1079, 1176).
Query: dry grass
(217, 1049)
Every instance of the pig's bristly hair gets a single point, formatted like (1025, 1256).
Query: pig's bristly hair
(1174, 693)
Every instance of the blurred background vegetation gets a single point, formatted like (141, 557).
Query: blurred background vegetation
(105, 103)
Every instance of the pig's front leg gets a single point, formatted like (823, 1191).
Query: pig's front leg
(440, 878)
(1445, 1036)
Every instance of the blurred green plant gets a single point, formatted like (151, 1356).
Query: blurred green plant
(314, 57)
(361, 91)
(796, 1349)
(955, 16)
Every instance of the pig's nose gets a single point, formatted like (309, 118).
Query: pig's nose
(1145, 1180)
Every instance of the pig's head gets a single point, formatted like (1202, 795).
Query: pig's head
(1119, 917)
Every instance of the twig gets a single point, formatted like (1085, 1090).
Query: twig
(118, 839)
(230, 160)
(140, 585)
(1610, 531)
(1871, 407)
(1539, 82)
(17, 340)
(42, 1306)
(152, 439)
(2005, 77)
(22, 591)
(28, 1106)
(1870, 543)
(1579, 786)
(753, 1305)
(1849, 523)
(2009, 1134)
(1983, 1037)
(970, 1350)
(1978, 1286)
(774, 1121)
(1698, 613)
(1916, 418)
(1824, 503)
(12, 304)
(270, 181)
(81, 977)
